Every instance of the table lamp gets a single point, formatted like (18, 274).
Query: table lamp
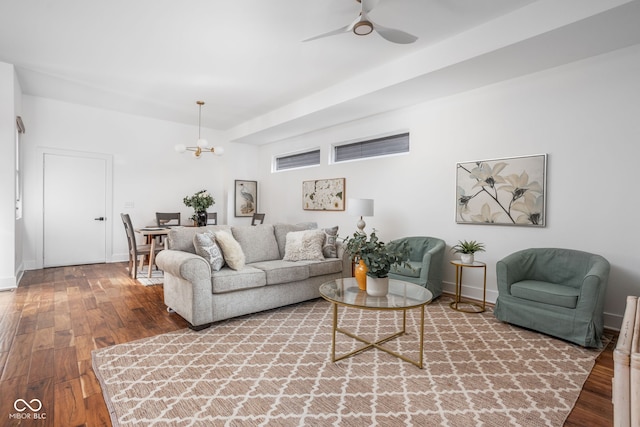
(360, 207)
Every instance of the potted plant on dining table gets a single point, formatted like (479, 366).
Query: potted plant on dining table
(200, 202)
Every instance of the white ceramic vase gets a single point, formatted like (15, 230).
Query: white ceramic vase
(377, 286)
(467, 258)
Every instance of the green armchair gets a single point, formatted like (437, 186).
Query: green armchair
(559, 292)
(426, 258)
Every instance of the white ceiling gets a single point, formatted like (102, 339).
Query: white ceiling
(260, 82)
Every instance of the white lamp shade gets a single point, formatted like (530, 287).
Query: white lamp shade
(202, 143)
(180, 148)
(218, 151)
(360, 207)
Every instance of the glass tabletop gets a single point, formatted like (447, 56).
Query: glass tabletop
(458, 262)
(401, 295)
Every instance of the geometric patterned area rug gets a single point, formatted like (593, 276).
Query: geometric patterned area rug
(157, 277)
(274, 369)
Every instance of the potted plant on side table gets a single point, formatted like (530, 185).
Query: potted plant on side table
(379, 258)
(467, 249)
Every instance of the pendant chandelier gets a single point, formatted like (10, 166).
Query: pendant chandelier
(202, 146)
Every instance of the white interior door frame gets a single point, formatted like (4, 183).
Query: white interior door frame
(108, 158)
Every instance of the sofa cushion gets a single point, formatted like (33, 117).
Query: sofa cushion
(320, 268)
(181, 238)
(546, 293)
(258, 242)
(329, 249)
(228, 280)
(304, 245)
(414, 271)
(233, 255)
(279, 271)
(281, 231)
(206, 247)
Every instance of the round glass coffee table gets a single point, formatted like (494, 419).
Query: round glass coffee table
(402, 296)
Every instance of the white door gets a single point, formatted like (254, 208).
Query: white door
(74, 210)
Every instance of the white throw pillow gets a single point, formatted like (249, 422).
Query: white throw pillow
(231, 250)
(304, 245)
(206, 247)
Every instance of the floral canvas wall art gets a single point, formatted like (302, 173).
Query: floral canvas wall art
(323, 195)
(509, 191)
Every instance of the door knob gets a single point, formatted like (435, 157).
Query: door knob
(100, 218)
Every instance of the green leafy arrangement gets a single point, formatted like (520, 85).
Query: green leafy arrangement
(200, 201)
(468, 247)
(378, 256)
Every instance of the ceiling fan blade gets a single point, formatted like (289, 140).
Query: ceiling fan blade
(393, 35)
(331, 33)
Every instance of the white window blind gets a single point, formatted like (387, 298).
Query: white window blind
(377, 147)
(298, 160)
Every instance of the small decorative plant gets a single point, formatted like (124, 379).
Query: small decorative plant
(378, 256)
(200, 202)
(468, 247)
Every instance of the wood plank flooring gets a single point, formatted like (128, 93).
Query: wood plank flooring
(57, 316)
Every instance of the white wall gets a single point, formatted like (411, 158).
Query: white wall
(19, 223)
(147, 173)
(585, 115)
(10, 262)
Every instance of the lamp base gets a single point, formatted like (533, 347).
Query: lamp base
(361, 224)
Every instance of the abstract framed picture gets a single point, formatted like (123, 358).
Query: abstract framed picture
(245, 198)
(323, 195)
(508, 191)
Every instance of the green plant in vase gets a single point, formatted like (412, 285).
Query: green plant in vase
(200, 202)
(379, 258)
(467, 249)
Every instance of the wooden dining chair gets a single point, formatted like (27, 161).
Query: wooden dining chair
(212, 218)
(165, 218)
(135, 251)
(258, 218)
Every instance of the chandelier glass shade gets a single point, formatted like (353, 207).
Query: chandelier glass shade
(202, 145)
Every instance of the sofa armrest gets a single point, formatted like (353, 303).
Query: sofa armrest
(594, 286)
(508, 272)
(185, 265)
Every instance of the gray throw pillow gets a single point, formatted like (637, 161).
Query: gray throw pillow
(206, 247)
(329, 249)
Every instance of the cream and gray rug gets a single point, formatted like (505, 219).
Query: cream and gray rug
(157, 277)
(274, 369)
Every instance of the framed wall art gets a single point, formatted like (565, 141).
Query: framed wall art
(246, 198)
(509, 191)
(323, 195)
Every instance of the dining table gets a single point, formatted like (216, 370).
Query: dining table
(150, 234)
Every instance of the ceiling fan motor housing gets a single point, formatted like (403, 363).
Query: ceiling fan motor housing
(363, 28)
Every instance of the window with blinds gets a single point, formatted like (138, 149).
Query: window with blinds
(298, 160)
(384, 146)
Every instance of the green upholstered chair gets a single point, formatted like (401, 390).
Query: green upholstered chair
(559, 292)
(426, 258)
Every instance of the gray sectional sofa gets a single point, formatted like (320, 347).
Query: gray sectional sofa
(202, 295)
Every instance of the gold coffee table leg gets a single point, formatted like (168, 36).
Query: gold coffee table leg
(377, 344)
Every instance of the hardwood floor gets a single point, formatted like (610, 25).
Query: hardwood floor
(57, 316)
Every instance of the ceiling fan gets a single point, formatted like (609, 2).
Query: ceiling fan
(363, 26)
